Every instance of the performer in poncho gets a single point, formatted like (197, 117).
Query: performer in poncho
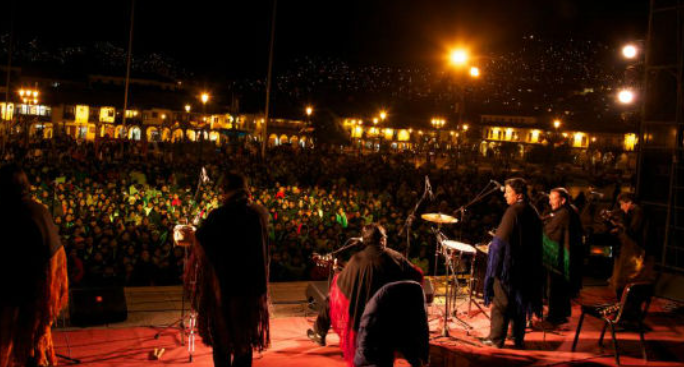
(562, 255)
(33, 274)
(232, 276)
(514, 269)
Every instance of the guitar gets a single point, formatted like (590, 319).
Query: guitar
(323, 260)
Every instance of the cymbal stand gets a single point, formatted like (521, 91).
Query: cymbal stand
(471, 285)
(450, 293)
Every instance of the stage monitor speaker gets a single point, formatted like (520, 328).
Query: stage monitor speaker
(316, 292)
(97, 306)
(670, 286)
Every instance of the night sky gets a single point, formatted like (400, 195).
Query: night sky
(230, 38)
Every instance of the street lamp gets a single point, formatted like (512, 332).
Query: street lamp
(556, 124)
(626, 96)
(309, 111)
(458, 57)
(630, 51)
(187, 108)
(383, 115)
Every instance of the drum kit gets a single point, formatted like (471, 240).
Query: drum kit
(453, 253)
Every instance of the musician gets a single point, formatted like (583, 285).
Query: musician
(631, 263)
(365, 273)
(514, 270)
(232, 283)
(33, 274)
(562, 255)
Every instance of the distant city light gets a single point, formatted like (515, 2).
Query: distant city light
(204, 97)
(309, 110)
(629, 51)
(383, 115)
(556, 123)
(626, 96)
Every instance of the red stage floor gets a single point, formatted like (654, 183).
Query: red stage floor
(131, 346)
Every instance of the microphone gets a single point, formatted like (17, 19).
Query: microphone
(596, 193)
(428, 187)
(356, 239)
(204, 176)
(498, 185)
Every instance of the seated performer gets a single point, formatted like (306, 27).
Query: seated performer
(365, 273)
(33, 273)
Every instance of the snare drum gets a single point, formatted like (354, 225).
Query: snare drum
(459, 246)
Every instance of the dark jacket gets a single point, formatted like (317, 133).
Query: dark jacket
(394, 321)
(515, 258)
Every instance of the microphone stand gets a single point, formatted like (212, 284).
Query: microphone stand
(462, 211)
(187, 329)
(409, 221)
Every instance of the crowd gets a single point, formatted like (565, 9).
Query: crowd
(116, 205)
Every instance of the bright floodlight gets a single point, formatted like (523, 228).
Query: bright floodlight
(474, 71)
(458, 57)
(629, 51)
(626, 96)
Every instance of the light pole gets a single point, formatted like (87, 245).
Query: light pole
(28, 97)
(309, 111)
(437, 124)
(204, 97)
(459, 60)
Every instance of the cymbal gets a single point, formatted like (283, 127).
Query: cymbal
(439, 218)
(484, 248)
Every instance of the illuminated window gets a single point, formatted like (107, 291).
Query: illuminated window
(82, 114)
(107, 114)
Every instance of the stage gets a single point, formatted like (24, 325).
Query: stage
(131, 343)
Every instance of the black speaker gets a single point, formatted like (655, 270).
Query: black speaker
(97, 306)
(316, 292)
(670, 286)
